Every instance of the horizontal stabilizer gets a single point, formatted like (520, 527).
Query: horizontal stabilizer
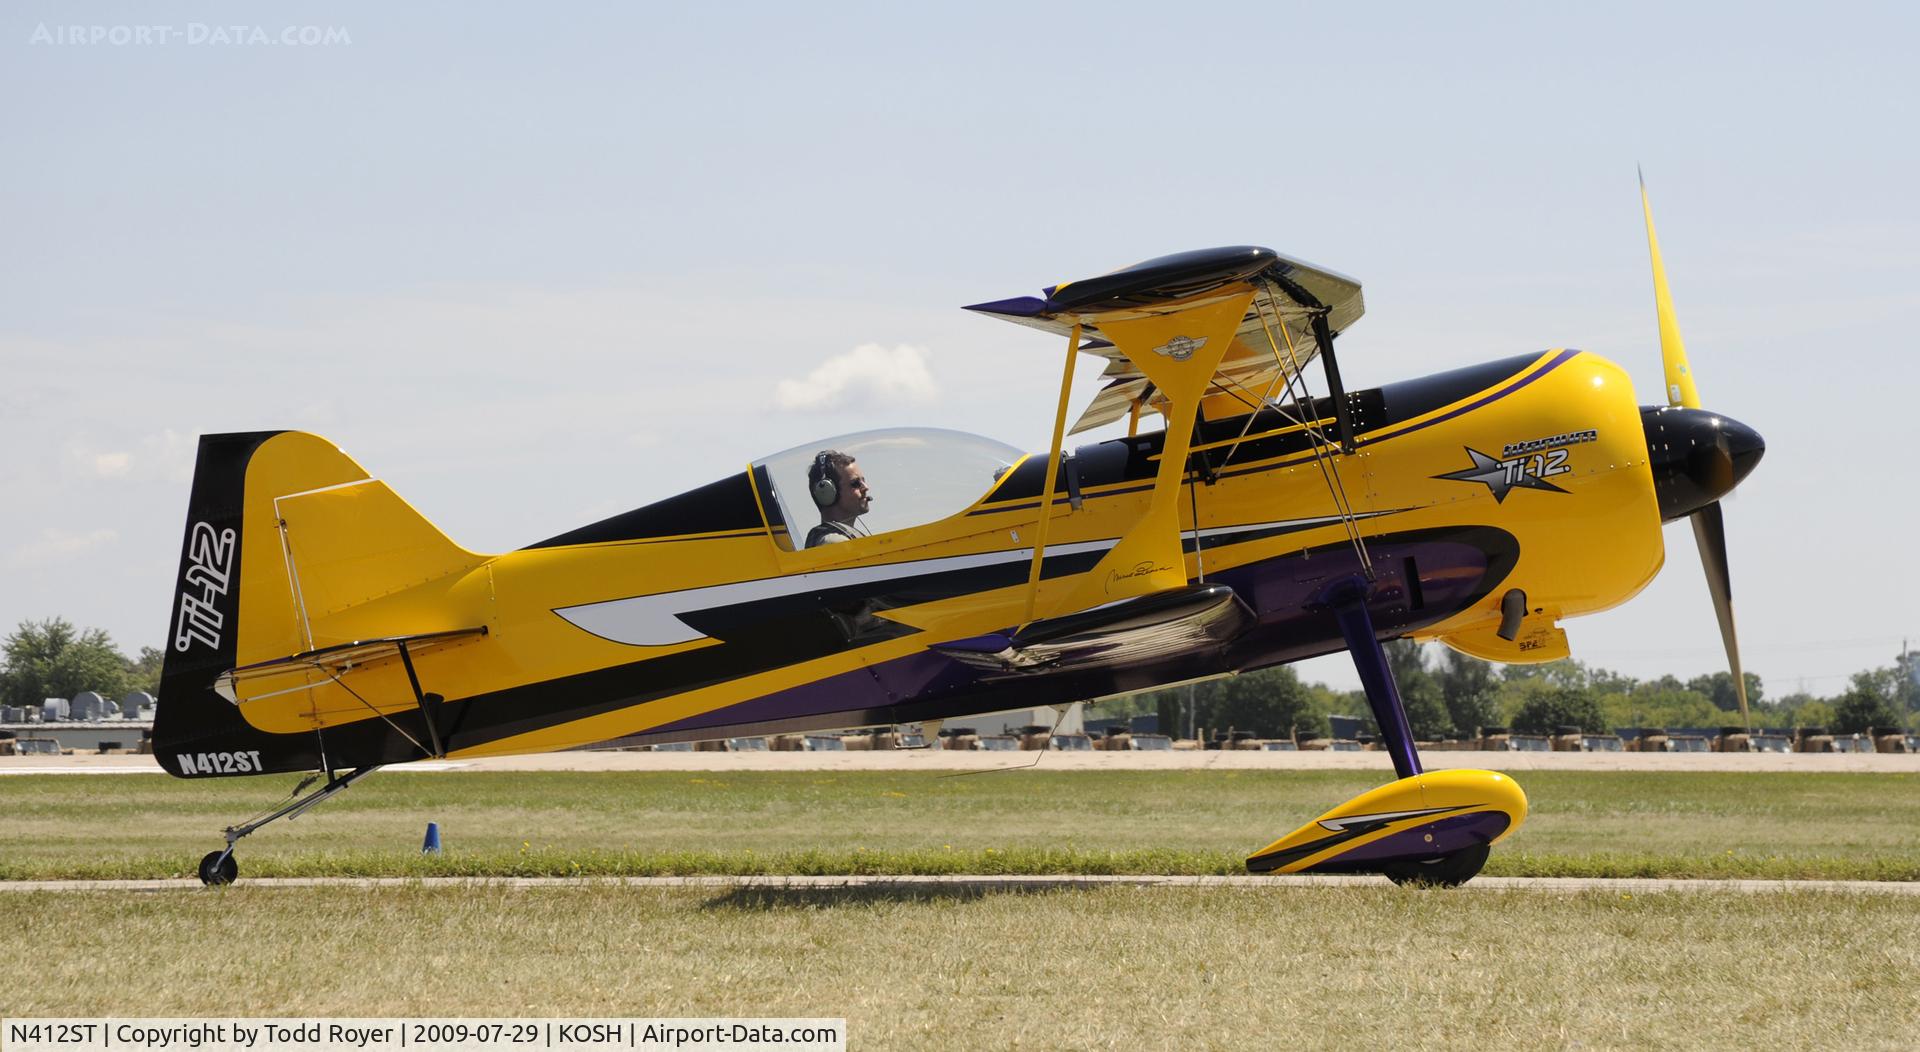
(295, 672)
(1137, 629)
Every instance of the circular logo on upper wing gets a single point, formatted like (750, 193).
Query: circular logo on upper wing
(1180, 348)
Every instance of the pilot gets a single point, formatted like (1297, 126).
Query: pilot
(840, 492)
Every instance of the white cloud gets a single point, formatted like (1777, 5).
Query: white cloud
(867, 375)
(111, 465)
(164, 456)
(56, 544)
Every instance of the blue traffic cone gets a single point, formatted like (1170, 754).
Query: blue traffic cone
(431, 845)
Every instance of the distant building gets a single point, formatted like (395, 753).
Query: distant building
(137, 705)
(1011, 720)
(89, 705)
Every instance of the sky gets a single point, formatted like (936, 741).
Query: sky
(534, 267)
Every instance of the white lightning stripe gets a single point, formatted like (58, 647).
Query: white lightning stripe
(1340, 824)
(654, 620)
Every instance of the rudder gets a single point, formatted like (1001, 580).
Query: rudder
(243, 594)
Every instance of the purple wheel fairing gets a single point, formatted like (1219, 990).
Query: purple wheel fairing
(1419, 843)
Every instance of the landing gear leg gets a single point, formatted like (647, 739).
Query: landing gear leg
(1376, 676)
(219, 867)
(1431, 829)
(1390, 712)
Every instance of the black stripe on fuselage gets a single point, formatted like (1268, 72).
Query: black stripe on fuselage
(755, 637)
(1136, 457)
(726, 506)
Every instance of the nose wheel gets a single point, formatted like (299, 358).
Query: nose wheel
(219, 867)
(1447, 871)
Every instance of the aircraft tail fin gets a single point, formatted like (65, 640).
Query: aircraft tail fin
(283, 530)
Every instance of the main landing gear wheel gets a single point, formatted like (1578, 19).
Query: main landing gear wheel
(1447, 871)
(218, 868)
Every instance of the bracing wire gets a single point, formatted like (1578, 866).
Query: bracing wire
(1042, 754)
(1335, 487)
(370, 708)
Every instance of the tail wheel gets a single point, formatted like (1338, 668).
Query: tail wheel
(1447, 871)
(218, 868)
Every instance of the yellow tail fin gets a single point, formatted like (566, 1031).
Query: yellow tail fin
(289, 547)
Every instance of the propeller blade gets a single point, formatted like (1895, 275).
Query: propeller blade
(1709, 532)
(1673, 351)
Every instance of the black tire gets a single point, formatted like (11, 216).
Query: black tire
(219, 867)
(1447, 871)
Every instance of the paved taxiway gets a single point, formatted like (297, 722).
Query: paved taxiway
(955, 760)
(988, 884)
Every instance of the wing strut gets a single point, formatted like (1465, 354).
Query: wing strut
(1053, 468)
(1342, 412)
(421, 699)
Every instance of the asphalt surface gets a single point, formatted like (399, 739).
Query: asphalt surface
(985, 884)
(954, 760)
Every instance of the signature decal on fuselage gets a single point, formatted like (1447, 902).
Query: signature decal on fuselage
(209, 574)
(1522, 465)
(1144, 568)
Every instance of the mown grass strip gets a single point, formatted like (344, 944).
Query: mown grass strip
(1764, 826)
(989, 862)
(936, 969)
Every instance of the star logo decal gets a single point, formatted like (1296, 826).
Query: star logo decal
(1501, 477)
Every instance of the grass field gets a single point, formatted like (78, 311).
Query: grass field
(1107, 968)
(1841, 826)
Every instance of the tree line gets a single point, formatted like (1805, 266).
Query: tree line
(53, 659)
(1449, 694)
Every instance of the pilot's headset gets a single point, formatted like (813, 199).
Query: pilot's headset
(820, 480)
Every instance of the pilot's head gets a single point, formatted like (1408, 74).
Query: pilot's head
(838, 486)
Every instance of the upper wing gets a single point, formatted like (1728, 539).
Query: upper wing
(1273, 343)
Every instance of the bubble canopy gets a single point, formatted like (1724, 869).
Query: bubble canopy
(915, 475)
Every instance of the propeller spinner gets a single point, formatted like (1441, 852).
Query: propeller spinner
(1697, 458)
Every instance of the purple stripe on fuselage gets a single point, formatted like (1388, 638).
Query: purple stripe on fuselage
(853, 691)
(1456, 569)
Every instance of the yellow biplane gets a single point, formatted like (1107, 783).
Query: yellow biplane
(321, 624)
